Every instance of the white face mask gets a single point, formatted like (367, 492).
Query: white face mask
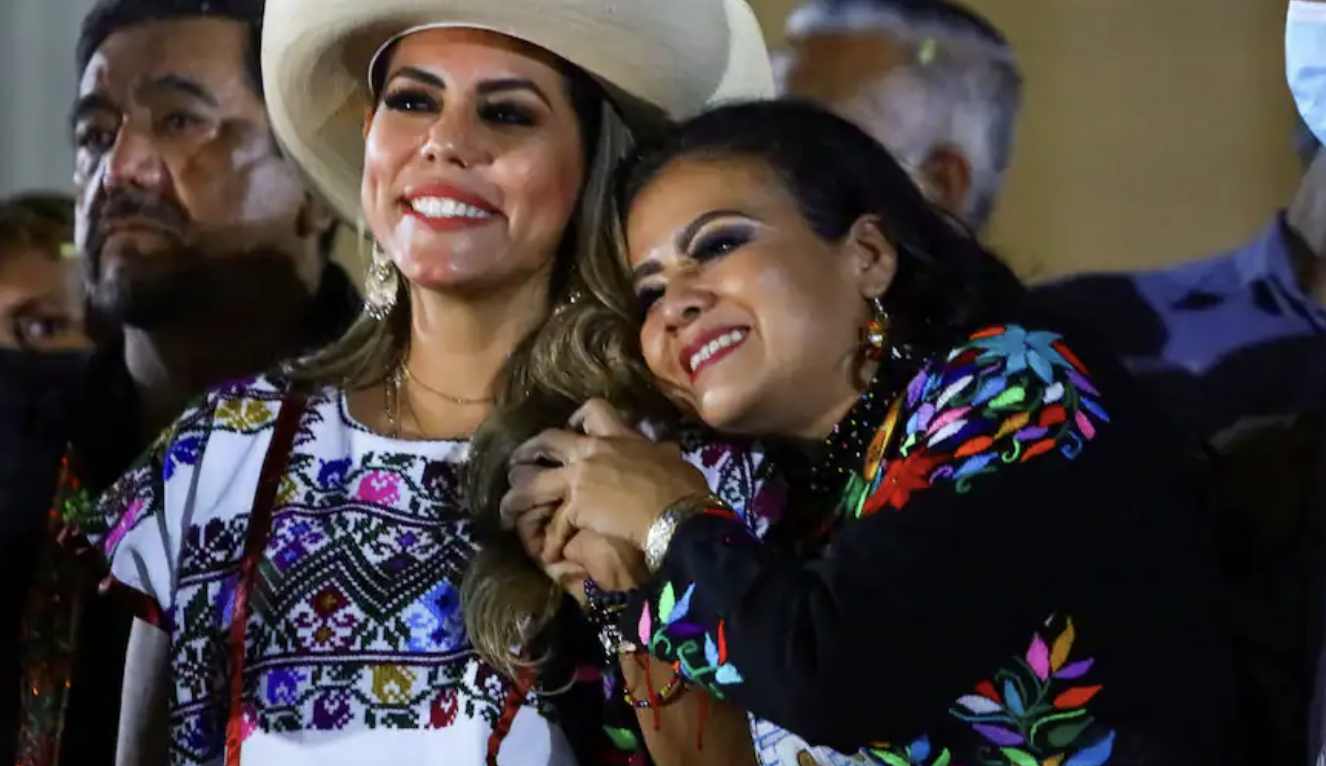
(1305, 62)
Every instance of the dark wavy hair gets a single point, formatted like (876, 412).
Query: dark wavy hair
(947, 282)
(41, 219)
(946, 285)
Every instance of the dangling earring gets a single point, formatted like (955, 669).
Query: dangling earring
(573, 296)
(875, 337)
(380, 285)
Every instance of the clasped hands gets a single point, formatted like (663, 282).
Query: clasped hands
(582, 499)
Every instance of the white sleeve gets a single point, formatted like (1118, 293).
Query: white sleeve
(143, 515)
(736, 473)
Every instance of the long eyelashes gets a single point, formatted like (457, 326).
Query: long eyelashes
(720, 242)
(499, 113)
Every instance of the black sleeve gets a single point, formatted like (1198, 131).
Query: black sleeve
(944, 569)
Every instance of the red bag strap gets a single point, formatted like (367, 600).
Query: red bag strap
(260, 525)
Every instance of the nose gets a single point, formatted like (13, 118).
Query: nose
(455, 140)
(683, 303)
(134, 161)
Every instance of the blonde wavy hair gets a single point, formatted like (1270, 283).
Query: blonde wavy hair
(587, 347)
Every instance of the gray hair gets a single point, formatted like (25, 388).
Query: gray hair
(963, 88)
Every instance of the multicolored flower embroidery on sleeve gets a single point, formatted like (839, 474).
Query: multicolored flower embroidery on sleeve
(699, 655)
(1031, 713)
(1034, 711)
(139, 493)
(918, 753)
(1006, 396)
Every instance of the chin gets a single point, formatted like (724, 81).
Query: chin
(728, 408)
(436, 272)
(447, 270)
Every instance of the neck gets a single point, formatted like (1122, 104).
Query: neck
(171, 366)
(857, 381)
(458, 344)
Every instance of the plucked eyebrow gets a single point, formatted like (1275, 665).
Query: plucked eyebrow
(485, 88)
(686, 237)
(645, 270)
(507, 84)
(684, 240)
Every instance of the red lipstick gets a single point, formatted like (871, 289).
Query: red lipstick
(439, 206)
(710, 347)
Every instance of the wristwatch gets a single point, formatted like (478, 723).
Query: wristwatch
(659, 537)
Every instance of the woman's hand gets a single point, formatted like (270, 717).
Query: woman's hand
(614, 564)
(610, 480)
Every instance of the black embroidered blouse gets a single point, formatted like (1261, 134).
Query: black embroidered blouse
(1020, 576)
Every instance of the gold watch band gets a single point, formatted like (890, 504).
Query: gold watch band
(659, 538)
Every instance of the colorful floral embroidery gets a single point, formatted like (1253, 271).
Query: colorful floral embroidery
(919, 753)
(355, 619)
(1006, 397)
(701, 656)
(242, 415)
(1034, 710)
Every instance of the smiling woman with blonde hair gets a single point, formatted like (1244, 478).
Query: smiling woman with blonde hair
(301, 537)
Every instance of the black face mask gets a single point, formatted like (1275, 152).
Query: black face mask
(37, 393)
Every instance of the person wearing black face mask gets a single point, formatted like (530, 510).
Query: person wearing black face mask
(43, 353)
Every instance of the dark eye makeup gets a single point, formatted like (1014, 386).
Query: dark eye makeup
(715, 243)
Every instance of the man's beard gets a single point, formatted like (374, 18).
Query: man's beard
(186, 286)
(184, 280)
(133, 287)
(150, 292)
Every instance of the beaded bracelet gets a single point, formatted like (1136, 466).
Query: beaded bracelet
(670, 692)
(603, 607)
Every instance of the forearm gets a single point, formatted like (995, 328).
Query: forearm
(144, 731)
(695, 729)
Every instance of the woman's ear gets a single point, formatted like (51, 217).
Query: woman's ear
(873, 258)
(946, 178)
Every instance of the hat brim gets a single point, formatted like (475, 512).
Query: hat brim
(677, 57)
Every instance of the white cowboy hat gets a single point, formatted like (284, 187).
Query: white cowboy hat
(676, 56)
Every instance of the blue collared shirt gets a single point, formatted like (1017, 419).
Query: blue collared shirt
(1220, 339)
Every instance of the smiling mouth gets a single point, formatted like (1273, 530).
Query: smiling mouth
(714, 350)
(443, 207)
(444, 214)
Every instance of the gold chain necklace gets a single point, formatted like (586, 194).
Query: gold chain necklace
(405, 370)
(392, 387)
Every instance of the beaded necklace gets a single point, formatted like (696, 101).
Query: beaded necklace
(846, 445)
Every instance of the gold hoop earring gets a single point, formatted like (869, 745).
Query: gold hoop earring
(380, 285)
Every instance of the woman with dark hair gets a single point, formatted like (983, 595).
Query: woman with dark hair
(990, 551)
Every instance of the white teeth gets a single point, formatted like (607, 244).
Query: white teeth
(716, 345)
(441, 207)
